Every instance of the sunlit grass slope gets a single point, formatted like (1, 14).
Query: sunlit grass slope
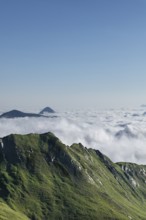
(43, 179)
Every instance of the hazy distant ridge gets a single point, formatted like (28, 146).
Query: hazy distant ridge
(19, 114)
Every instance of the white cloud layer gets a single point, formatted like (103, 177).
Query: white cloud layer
(120, 134)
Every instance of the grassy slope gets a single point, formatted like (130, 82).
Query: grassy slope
(44, 179)
(7, 213)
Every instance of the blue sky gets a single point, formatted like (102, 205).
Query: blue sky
(72, 53)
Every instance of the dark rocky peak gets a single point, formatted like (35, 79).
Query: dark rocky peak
(108, 163)
(46, 110)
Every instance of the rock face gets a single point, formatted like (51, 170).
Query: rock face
(46, 110)
(42, 178)
(18, 114)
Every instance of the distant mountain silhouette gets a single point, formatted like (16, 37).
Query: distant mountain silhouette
(46, 110)
(125, 132)
(18, 114)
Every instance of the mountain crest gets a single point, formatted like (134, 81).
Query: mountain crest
(46, 110)
(67, 182)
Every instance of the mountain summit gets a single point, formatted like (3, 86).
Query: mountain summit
(43, 179)
(46, 110)
(18, 114)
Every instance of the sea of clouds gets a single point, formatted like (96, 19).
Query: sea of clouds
(119, 134)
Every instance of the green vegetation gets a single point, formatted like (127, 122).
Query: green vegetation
(43, 179)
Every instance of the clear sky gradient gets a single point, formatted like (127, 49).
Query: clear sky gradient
(72, 53)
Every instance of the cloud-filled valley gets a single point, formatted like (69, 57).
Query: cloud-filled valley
(120, 134)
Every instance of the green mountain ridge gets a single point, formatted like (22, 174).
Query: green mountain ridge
(43, 179)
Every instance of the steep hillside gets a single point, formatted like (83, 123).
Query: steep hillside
(43, 179)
